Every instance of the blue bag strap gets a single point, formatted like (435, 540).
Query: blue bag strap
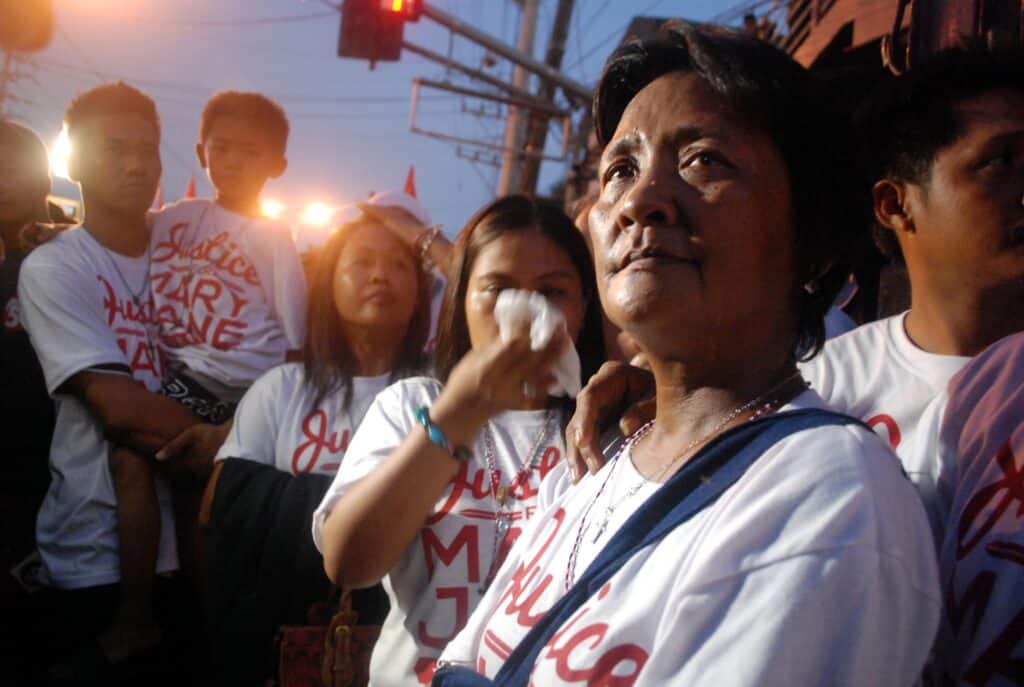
(696, 485)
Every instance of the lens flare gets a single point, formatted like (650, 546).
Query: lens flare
(272, 208)
(317, 214)
(60, 151)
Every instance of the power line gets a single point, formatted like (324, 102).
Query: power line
(259, 21)
(203, 91)
(602, 43)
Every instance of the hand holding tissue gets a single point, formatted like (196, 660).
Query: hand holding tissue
(518, 310)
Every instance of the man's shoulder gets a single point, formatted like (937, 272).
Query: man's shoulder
(66, 250)
(867, 340)
(865, 335)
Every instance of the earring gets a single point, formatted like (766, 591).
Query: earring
(812, 287)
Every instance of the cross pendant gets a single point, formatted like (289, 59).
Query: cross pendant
(603, 524)
(501, 496)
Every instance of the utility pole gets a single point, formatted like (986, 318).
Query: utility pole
(515, 125)
(537, 132)
(14, 67)
(6, 77)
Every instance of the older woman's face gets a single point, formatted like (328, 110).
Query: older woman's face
(692, 233)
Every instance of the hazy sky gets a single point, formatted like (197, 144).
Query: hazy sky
(350, 125)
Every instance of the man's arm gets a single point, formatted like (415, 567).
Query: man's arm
(128, 413)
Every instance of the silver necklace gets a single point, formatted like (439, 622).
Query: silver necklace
(500, 494)
(609, 511)
(136, 296)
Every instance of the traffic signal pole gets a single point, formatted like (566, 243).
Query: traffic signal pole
(515, 124)
(373, 30)
(537, 131)
(574, 90)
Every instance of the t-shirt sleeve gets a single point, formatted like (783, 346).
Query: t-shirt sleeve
(288, 289)
(68, 329)
(844, 593)
(385, 425)
(843, 616)
(253, 434)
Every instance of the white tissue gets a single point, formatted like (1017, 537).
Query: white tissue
(516, 310)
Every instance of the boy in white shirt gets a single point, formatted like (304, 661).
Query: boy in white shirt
(228, 284)
(87, 307)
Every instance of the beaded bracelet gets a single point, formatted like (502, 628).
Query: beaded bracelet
(436, 436)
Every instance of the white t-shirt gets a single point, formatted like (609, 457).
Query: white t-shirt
(439, 580)
(229, 290)
(275, 422)
(876, 374)
(814, 568)
(982, 555)
(80, 314)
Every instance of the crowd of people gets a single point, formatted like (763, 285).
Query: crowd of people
(740, 494)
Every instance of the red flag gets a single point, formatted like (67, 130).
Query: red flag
(190, 190)
(410, 182)
(158, 202)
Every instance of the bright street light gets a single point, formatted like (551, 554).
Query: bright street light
(60, 151)
(272, 208)
(317, 214)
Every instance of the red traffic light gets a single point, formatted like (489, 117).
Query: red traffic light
(407, 9)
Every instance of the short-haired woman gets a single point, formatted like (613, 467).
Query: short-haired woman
(746, 536)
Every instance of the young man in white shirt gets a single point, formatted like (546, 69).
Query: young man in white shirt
(946, 147)
(87, 307)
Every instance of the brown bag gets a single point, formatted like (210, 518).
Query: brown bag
(333, 655)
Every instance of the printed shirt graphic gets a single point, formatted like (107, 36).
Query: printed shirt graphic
(878, 375)
(982, 557)
(79, 315)
(797, 575)
(276, 425)
(229, 290)
(441, 576)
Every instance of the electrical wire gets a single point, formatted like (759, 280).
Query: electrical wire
(259, 21)
(202, 91)
(603, 42)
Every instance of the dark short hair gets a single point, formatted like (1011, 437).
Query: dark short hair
(907, 120)
(327, 355)
(109, 99)
(30, 148)
(771, 93)
(254, 107)
(502, 216)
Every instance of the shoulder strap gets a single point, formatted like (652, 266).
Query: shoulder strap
(696, 485)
